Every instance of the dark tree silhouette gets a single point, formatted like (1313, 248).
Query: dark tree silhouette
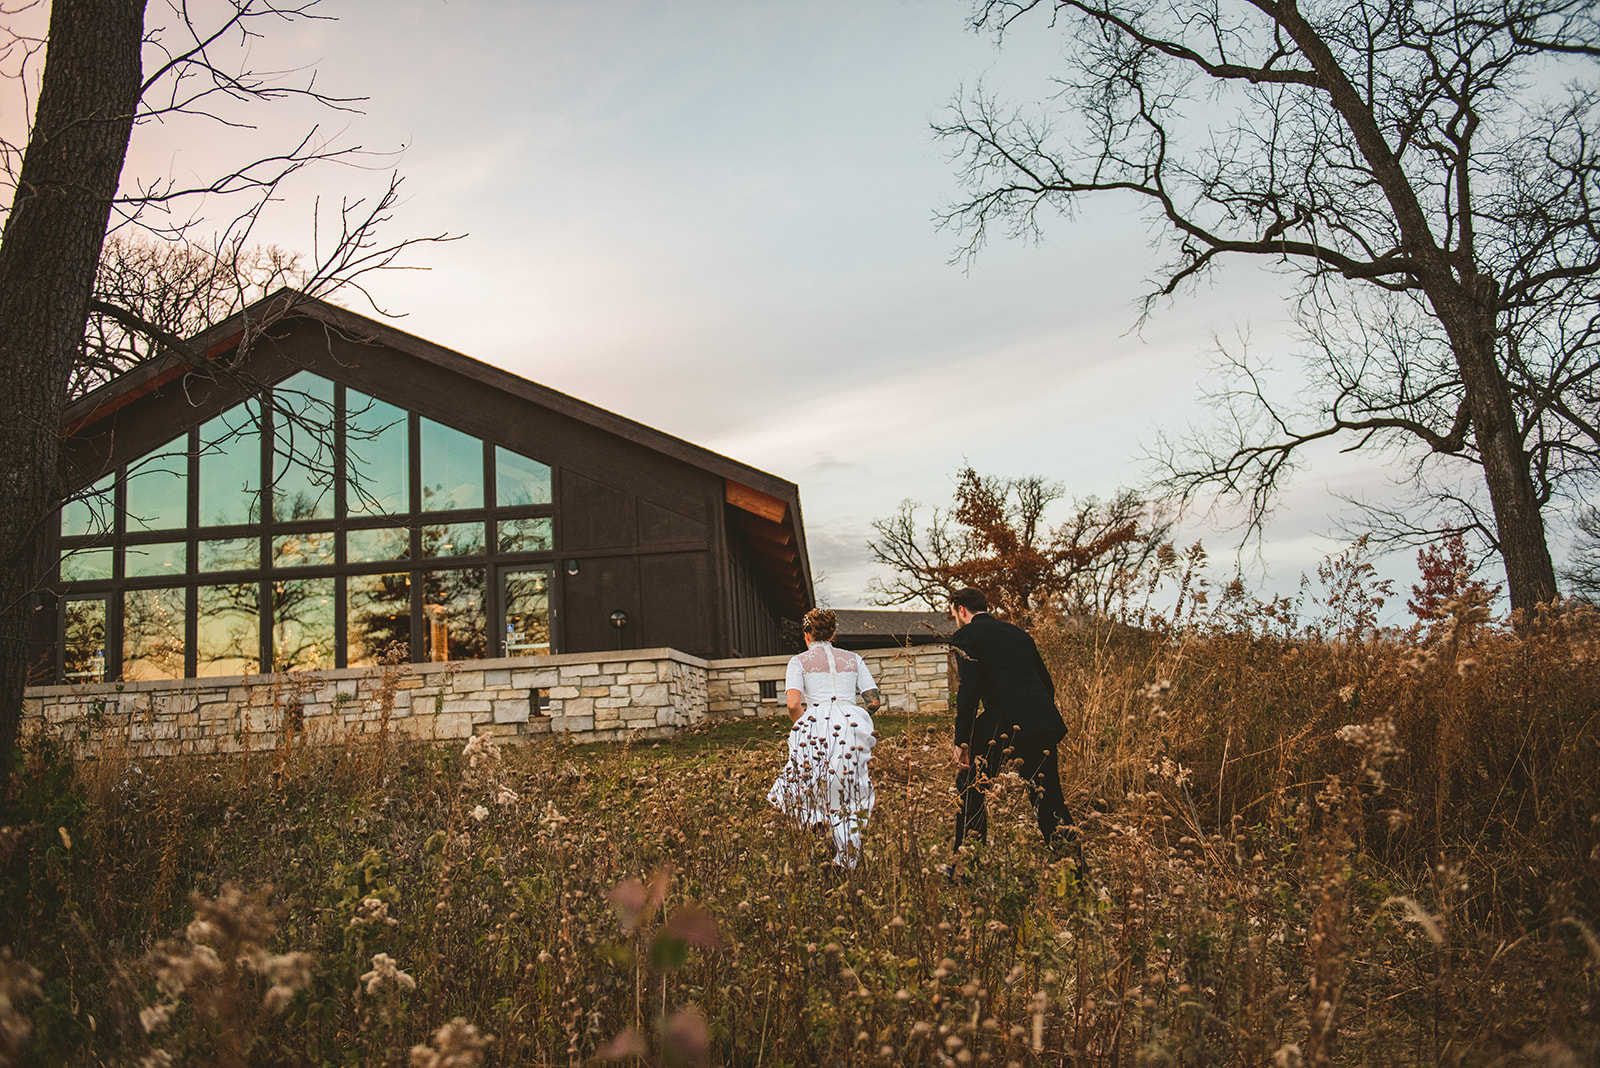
(1428, 170)
(104, 68)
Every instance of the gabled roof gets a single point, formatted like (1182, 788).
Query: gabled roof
(761, 503)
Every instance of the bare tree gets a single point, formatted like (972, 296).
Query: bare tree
(996, 538)
(151, 295)
(1427, 170)
(106, 69)
(1583, 568)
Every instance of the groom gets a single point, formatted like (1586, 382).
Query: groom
(1019, 726)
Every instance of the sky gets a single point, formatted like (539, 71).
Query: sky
(718, 219)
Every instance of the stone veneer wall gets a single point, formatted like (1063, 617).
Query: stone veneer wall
(651, 693)
(912, 680)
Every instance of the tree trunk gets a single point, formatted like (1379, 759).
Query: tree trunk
(48, 255)
(1519, 525)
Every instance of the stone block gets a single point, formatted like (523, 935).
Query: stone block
(562, 693)
(466, 706)
(614, 667)
(452, 725)
(630, 678)
(465, 680)
(498, 677)
(654, 694)
(607, 718)
(511, 711)
(597, 691)
(542, 679)
(579, 671)
(572, 724)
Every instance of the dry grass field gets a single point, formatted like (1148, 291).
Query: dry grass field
(1304, 848)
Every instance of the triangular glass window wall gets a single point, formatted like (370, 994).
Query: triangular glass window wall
(315, 527)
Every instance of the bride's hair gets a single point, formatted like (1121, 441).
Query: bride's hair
(820, 624)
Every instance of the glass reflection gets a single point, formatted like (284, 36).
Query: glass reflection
(302, 448)
(84, 641)
(230, 554)
(379, 616)
(452, 468)
(377, 456)
(227, 639)
(527, 613)
(519, 481)
(453, 539)
(454, 624)
(152, 634)
(230, 468)
(303, 550)
(374, 546)
(530, 535)
(90, 513)
(160, 558)
(158, 488)
(302, 624)
(86, 564)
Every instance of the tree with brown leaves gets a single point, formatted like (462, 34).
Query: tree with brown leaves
(995, 537)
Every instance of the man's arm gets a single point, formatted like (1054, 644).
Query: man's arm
(969, 689)
(1044, 671)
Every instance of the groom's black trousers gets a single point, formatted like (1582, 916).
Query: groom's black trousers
(1034, 758)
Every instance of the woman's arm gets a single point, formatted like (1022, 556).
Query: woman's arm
(793, 697)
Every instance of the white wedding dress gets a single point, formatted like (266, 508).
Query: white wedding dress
(825, 783)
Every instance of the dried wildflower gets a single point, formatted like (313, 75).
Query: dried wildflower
(506, 797)
(158, 1058)
(479, 814)
(386, 977)
(455, 1045)
(1420, 916)
(1346, 692)
(1169, 769)
(155, 1017)
(1157, 690)
(371, 912)
(18, 980)
(483, 760)
(1378, 742)
(1466, 668)
(290, 973)
(179, 965)
(66, 839)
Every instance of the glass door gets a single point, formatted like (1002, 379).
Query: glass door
(525, 609)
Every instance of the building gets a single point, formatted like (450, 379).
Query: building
(324, 490)
(887, 628)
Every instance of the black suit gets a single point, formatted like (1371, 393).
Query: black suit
(1019, 725)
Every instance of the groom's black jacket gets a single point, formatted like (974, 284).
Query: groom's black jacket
(1001, 668)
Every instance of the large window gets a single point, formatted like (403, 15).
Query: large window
(314, 526)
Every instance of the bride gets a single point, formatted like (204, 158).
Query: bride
(824, 786)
